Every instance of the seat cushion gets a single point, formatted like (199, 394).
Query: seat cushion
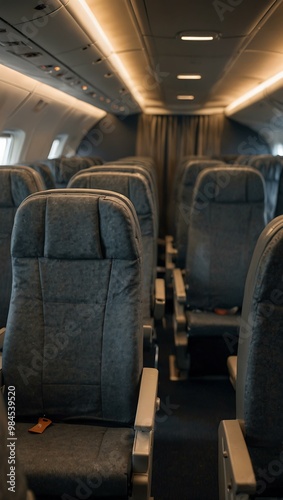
(48, 459)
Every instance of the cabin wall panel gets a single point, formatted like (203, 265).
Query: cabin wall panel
(112, 138)
(239, 139)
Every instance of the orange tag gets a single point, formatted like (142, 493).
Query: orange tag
(41, 425)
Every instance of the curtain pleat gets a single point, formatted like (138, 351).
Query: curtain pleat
(167, 139)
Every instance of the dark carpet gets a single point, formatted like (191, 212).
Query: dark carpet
(185, 447)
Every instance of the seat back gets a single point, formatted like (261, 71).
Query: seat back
(259, 387)
(271, 168)
(226, 220)
(13, 485)
(180, 167)
(17, 183)
(73, 344)
(63, 168)
(145, 164)
(135, 187)
(45, 174)
(184, 202)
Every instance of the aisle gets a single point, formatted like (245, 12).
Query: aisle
(185, 449)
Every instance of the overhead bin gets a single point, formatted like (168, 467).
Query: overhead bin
(18, 12)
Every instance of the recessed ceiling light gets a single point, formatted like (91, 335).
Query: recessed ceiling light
(84, 87)
(185, 97)
(56, 68)
(189, 77)
(199, 36)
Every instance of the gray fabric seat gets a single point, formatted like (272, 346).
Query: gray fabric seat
(63, 168)
(180, 167)
(17, 183)
(8, 489)
(226, 220)
(73, 344)
(136, 163)
(191, 170)
(258, 428)
(136, 188)
(271, 169)
(44, 172)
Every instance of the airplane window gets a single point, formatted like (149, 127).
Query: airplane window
(57, 146)
(6, 141)
(278, 149)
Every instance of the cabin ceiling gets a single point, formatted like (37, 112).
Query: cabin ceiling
(38, 37)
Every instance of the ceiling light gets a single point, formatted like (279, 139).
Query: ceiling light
(199, 36)
(84, 87)
(56, 68)
(185, 97)
(253, 92)
(189, 77)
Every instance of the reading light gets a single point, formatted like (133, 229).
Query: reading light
(199, 36)
(253, 92)
(189, 77)
(185, 97)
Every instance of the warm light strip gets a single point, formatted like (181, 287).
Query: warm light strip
(185, 97)
(189, 77)
(105, 46)
(191, 38)
(253, 92)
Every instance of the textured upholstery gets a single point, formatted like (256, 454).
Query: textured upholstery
(45, 174)
(225, 221)
(271, 168)
(149, 169)
(183, 204)
(134, 169)
(20, 489)
(63, 168)
(178, 173)
(103, 470)
(73, 344)
(17, 183)
(135, 187)
(259, 369)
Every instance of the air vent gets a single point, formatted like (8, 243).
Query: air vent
(40, 105)
(40, 6)
(31, 55)
(17, 43)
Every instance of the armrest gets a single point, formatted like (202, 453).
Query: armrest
(236, 475)
(159, 306)
(2, 335)
(170, 253)
(144, 423)
(179, 287)
(232, 369)
(146, 409)
(179, 300)
(147, 336)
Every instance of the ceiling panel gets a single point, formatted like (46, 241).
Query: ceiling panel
(167, 19)
(119, 23)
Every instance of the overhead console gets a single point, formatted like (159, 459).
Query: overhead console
(48, 41)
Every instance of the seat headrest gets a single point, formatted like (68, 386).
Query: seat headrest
(76, 224)
(230, 185)
(131, 185)
(193, 168)
(17, 182)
